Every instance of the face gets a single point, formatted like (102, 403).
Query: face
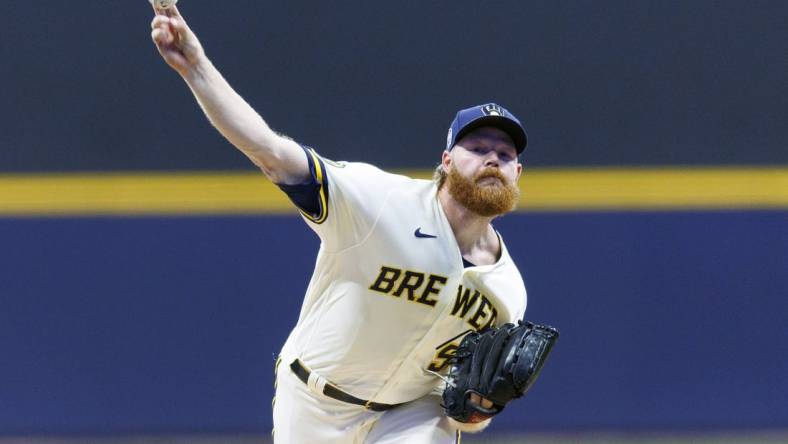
(483, 171)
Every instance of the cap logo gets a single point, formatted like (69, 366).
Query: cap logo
(492, 110)
(448, 140)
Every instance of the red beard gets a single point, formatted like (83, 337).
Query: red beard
(484, 200)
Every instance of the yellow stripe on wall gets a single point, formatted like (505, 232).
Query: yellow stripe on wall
(140, 193)
(251, 193)
(655, 189)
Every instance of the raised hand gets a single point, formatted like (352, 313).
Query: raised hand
(176, 42)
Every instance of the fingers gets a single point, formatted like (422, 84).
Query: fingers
(167, 30)
(159, 21)
(161, 32)
(478, 400)
(180, 26)
(172, 11)
(175, 25)
(176, 43)
(156, 10)
(161, 37)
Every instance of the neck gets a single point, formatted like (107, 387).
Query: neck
(473, 232)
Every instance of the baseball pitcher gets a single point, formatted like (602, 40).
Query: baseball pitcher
(410, 328)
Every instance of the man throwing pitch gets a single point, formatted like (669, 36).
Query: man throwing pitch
(406, 268)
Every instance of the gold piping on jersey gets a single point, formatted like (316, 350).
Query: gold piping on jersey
(320, 177)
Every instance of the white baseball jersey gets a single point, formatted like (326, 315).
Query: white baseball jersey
(390, 297)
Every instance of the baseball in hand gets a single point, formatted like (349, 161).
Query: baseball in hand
(163, 4)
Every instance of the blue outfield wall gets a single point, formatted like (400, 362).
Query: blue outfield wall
(669, 320)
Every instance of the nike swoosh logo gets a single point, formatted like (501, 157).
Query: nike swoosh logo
(418, 233)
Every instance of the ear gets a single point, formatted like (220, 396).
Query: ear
(446, 161)
(519, 171)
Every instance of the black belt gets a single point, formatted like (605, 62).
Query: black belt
(332, 392)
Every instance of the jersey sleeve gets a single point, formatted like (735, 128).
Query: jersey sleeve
(311, 196)
(342, 200)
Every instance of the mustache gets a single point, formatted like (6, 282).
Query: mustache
(490, 172)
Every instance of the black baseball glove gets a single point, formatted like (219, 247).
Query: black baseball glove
(498, 364)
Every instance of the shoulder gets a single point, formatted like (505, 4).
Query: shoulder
(369, 175)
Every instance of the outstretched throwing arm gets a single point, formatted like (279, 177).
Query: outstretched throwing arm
(280, 158)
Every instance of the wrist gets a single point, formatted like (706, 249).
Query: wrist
(199, 71)
(469, 427)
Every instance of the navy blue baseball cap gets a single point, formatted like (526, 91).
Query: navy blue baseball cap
(489, 114)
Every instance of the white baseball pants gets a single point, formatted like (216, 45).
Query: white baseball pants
(303, 416)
